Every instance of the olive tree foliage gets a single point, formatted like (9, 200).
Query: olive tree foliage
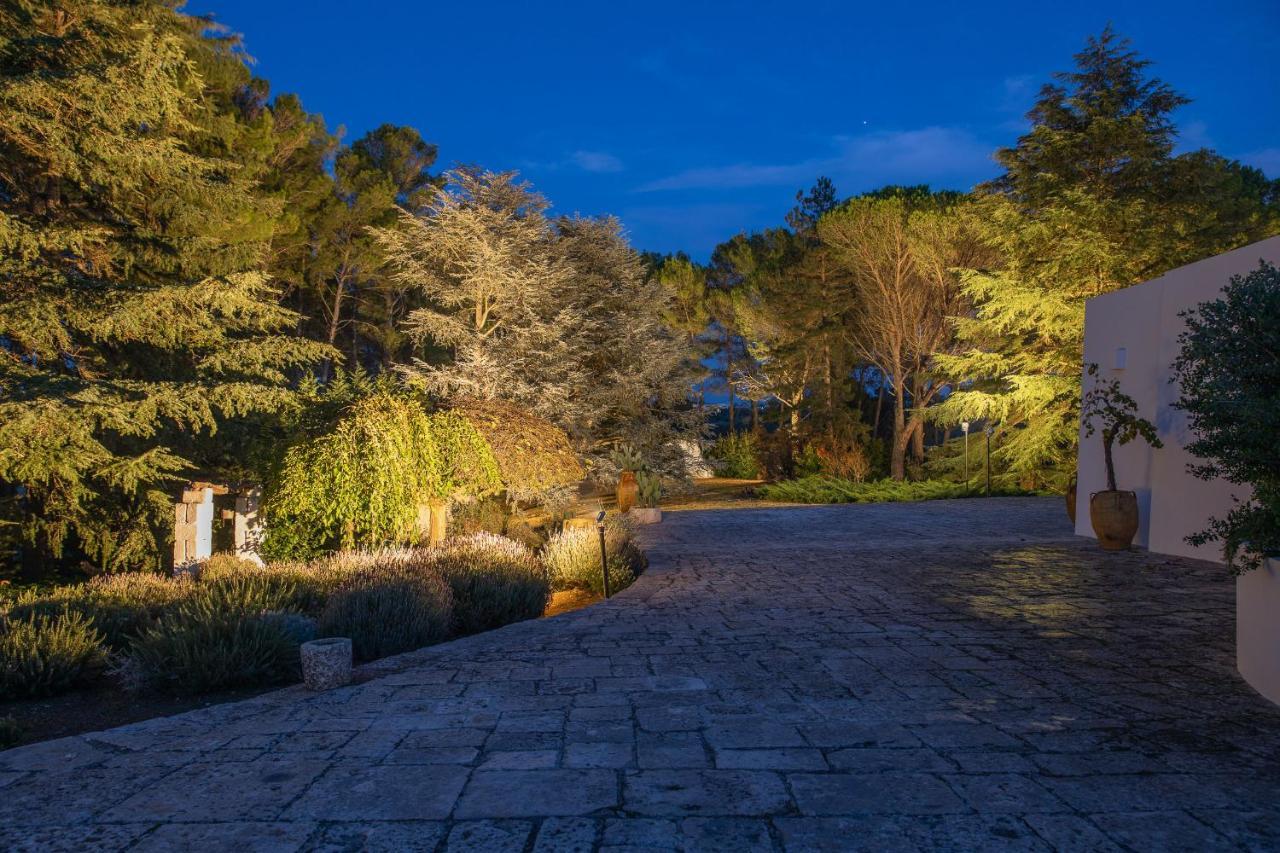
(1228, 372)
(1113, 415)
(557, 316)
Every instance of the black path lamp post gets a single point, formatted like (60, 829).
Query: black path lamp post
(990, 432)
(964, 425)
(604, 553)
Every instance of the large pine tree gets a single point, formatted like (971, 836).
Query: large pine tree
(135, 317)
(1092, 200)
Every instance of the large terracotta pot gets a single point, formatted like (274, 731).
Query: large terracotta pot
(1071, 501)
(627, 490)
(1115, 518)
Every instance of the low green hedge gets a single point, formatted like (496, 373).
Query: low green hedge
(819, 489)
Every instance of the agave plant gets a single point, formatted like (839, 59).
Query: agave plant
(649, 489)
(628, 458)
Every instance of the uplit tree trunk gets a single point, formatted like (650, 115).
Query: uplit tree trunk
(917, 417)
(831, 397)
(728, 379)
(898, 447)
(335, 317)
(875, 424)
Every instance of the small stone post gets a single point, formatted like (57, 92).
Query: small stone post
(439, 522)
(326, 663)
(424, 524)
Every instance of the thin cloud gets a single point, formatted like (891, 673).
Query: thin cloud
(596, 161)
(931, 154)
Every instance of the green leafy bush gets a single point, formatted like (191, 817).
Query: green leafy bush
(41, 654)
(225, 634)
(120, 606)
(536, 462)
(1228, 371)
(735, 456)
(819, 489)
(362, 483)
(844, 456)
(396, 602)
(494, 580)
(572, 558)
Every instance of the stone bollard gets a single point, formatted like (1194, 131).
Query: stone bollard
(326, 663)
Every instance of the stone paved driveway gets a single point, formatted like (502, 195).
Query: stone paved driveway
(951, 675)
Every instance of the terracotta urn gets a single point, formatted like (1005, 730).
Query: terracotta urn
(1114, 515)
(1071, 501)
(627, 490)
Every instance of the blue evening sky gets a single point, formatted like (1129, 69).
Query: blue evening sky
(693, 121)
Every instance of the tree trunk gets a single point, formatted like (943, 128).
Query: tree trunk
(335, 321)
(831, 399)
(729, 381)
(793, 438)
(898, 450)
(875, 425)
(1107, 439)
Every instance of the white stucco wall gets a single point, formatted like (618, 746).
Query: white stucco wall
(1143, 321)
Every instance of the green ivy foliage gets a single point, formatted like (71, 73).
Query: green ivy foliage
(361, 484)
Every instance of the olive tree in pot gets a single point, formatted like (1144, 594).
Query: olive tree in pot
(1109, 411)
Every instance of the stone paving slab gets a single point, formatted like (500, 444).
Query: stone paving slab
(941, 676)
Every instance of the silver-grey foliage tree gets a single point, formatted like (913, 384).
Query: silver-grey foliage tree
(558, 316)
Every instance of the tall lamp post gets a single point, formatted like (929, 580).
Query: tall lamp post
(990, 432)
(964, 425)
(604, 553)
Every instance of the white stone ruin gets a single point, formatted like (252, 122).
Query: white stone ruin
(248, 524)
(193, 525)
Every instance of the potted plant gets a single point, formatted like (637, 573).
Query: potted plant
(649, 487)
(629, 461)
(1106, 409)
